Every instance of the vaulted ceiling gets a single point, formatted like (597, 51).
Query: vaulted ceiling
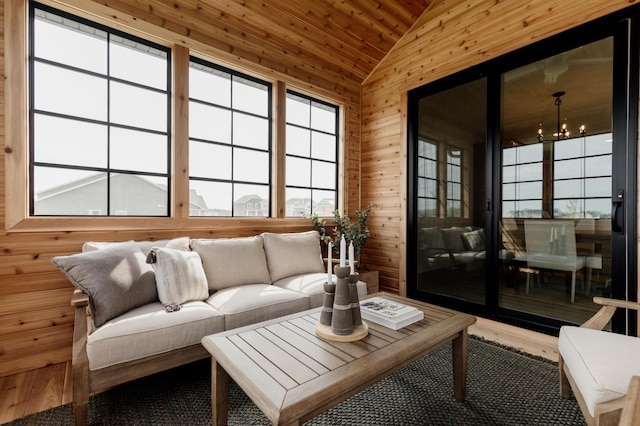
(292, 37)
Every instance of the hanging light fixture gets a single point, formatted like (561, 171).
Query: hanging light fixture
(562, 132)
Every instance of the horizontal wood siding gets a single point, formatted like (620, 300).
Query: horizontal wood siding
(450, 36)
(36, 318)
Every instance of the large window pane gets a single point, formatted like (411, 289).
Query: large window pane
(128, 102)
(232, 114)
(250, 96)
(71, 142)
(209, 123)
(124, 142)
(137, 63)
(55, 34)
(209, 161)
(312, 167)
(100, 106)
(209, 85)
(250, 166)
(69, 92)
(250, 131)
(136, 195)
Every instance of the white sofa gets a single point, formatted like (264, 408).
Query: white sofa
(134, 318)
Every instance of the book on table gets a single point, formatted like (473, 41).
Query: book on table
(389, 313)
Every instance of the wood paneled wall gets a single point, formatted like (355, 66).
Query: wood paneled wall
(36, 319)
(450, 36)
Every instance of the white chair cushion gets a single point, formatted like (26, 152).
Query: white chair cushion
(601, 363)
(313, 286)
(150, 330)
(252, 303)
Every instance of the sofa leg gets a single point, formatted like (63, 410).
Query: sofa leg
(80, 394)
(565, 387)
(80, 413)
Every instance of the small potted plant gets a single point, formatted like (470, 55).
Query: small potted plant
(356, 232)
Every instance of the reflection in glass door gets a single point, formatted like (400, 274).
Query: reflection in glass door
(450, 192)
(556, 183)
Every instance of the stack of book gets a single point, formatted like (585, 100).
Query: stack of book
(389, 313)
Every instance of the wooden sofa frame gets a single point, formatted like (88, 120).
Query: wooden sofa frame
(86, 382)
(608, 413)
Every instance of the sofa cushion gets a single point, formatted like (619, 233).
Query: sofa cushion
(431, 238)
(180, 243)
(600, 362)
(453, 238)
(180, 276)
(230, 262)
(252, 303)
(312, 285)
(474, 240)
(292, 254)
(116, 279)
(150, 330)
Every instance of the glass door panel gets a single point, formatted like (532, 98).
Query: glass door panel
(450, 199)
(556, 183)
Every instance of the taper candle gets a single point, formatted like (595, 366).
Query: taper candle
(329, 247)
(343, 251)
(351, 258)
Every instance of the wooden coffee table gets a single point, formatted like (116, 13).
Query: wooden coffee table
(292, 375)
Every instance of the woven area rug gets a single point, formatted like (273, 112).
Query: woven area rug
(504, 387)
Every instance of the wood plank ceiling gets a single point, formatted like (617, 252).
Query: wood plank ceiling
(292, 37)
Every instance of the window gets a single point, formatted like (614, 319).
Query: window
(229, 142)
(522, 181)
(582, 177)
(311, 156)
(99, 120)
(427, 179)
(454, 182)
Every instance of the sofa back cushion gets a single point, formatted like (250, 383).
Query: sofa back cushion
(179, 243)
(453, 238)
(230, 262)
(293, 254)
(116, 278)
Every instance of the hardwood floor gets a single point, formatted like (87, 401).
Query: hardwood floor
(48, 387)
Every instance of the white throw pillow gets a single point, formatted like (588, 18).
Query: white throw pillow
(230, 262)
(180, 276)
(293, 254)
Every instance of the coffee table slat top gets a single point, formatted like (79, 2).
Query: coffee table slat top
(292, 374)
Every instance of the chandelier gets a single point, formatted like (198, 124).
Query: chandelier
(561, 128)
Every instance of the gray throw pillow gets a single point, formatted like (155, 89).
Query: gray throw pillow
(116, 278)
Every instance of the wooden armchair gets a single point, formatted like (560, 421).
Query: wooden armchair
(598, 366)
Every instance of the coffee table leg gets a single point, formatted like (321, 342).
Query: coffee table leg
(460, 346)
(219, 394)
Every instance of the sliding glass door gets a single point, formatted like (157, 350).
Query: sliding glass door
(556, 148)
(451, 151)
(522, 181)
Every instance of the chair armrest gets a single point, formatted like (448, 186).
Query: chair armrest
(79, 299)
(631, 410)
(601, 318)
